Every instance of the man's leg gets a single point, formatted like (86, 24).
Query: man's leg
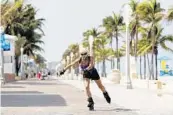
(87, 87)
(88, 92)
(102, 88)
(100, 85)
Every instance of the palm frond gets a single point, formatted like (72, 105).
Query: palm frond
(170, 14)
(144, 50)
(163, 41)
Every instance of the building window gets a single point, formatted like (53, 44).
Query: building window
(8, 59)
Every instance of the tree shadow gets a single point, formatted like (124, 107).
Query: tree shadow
(21, 92)
(30, 99)
(33, 83)
(36, 82)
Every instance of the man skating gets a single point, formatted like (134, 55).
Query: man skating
(90, 73)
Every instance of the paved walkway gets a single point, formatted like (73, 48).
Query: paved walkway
(52, 97)
(145, 101)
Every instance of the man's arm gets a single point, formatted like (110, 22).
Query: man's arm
(72, 64)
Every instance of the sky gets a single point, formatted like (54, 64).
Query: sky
(66, 20)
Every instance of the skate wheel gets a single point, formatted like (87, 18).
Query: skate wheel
(91, 108)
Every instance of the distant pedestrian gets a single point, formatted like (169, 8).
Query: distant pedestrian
(39, 75)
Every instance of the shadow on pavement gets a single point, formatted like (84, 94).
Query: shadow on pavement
(21, 92)
(12, 86)
(123, 109)
(31, 100)
(38, 82)
(33, 83)
(117, 110)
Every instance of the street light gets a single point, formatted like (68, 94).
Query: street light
(91, 41)
(72, 71)
(21, 58)
(127, 21)
(68, 62)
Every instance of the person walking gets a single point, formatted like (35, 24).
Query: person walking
(39, 75)
(89, 73)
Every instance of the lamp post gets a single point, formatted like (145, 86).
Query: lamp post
(72, 71)
(80, 76)
(62, 65)
(127, 21)
(21, 64)
(2, 65)
(68, 70)
(91, 41)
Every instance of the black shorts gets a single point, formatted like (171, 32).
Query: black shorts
(92, 74)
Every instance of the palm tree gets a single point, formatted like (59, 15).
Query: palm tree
(24, 25)
(135, 24)
(95, 34)
(114, 25)
(108, 32)
(8, 9)
(74, 48)
(120, 53)
(159, 40)
(102, 53)
(64, 56)
(18, 44)
(40, 60)
(141, 44)
(151, 13)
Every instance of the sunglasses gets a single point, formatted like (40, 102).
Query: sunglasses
(84, 54)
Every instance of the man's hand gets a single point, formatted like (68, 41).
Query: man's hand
(86, 72)
(62, 72)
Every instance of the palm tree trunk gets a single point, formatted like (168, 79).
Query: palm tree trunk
(152, 63)
(156, 67)
(156, 53)
(112, 60)
(104, 69)
(113, 63)
(152, 56)
(140, 67)
(136, 43)
(17, 65)
(144, 66)
(117, 51)
(112, 66)
(119, 64)
(149, 67)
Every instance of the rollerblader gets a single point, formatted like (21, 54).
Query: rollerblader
(90, 73)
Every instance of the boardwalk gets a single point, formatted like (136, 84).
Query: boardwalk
(51, 97)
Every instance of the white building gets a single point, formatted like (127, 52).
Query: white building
(9, 59)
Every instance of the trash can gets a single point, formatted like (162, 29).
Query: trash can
(115, 76)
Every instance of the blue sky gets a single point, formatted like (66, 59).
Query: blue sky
(66, 20)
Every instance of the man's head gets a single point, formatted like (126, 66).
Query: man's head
(84, 54)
